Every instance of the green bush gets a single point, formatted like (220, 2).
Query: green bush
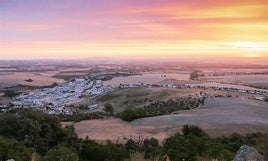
(12, 149)
(131, 114)
(10, 93)
(33, 128)
(194, 142)
(91, 151)
(84, 116)
(109, 108)
(159, 108)
(60, 153)
(23, 132)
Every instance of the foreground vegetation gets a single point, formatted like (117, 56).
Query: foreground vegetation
(26, 134)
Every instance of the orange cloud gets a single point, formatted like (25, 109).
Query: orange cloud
(130, 28)
(136, 49)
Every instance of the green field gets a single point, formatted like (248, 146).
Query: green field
(134, 97)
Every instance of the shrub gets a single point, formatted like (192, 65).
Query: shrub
(109, 108)
(12, 149)
(10, 93)
(60, 153)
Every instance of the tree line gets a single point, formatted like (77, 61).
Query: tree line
(160, 108)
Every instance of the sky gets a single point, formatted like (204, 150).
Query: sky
(67, 29)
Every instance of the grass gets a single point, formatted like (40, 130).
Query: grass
(159, 95)
(128, 93)
(134, 97)
(108, 97)
(137, 92)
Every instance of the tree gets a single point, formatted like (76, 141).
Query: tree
(152, 150)
(10, 93)
(12, 149)
(195, 143)
(195, 131)
(131, 114)
(266, 99)
(92, 151)
(194, 75)
(109, 108)
(60, 153)
(28, 80)
(34, 129)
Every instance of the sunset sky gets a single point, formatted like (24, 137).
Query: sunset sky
(52, 29)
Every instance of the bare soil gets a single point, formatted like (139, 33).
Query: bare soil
(218, 117)
(116, 130)
(255, 80)
(13, 79)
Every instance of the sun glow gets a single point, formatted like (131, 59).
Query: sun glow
(250, 49)
(221, 29)
(250, 46)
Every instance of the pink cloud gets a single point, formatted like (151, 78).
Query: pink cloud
(27, 26)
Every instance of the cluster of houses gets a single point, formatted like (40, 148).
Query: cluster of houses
(63, 98)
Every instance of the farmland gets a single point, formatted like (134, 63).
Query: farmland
(132, 97)
(136, 97)
(223, 111)
(254, 80)
(148, 78)
(16, 78)
(219, 116)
